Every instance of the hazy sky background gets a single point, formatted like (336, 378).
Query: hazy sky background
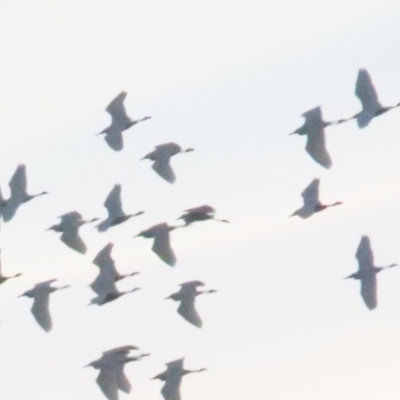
(230, 79)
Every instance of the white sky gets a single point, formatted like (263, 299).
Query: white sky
(230, 79)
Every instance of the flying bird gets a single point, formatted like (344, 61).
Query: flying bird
(40, 308)
(201, 213)
(69, 227)
(119, 122)
(187, 296)
(5, 278)
(313, 127)
(104, 261)
(311, 201)
(116, 215)
(371, 107)
(367, 271)
(104, 284)
(172, 377)
(161, 245)
(19, 194)
(111, 364)
(161, 157)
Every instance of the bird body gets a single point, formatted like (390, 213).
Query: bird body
(111, 377)
(119, 122)
(313, 127)
(161, 157)
(367, 272)
(161, 244)
(201, 213)
(40, 308)
(173, 379)
(116, 215)
(187, 296)
(311, 201)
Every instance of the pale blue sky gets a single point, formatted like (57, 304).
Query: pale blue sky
(230, 79)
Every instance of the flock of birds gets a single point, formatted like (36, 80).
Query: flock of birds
(111, 378)
(313, 127)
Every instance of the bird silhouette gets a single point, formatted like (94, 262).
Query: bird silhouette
(187, 296)
(161, 245)
(119, 122)
(367, 271)
(161, 157)
(173, 379)
(19, 194)
(116, 215)
(311, 201)
(40, 308)
(201, 213)
(111, 364)
(69, 227)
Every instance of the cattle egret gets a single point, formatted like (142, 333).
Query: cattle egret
(111, 365)
(19, 195)
(313, 127)
(69, 226)
(367, 272)
(187, 296)
(119, 122)
(172, 377)
(201, 213)
(161, 245)
(5, 278)
(311, 201)
(116, 215)
(161, 157)
(40, 308)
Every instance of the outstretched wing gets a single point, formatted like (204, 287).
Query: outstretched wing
(364, 255)
(368, 290)
(311, 195)
(114, 138)
(40, 309)
(113, 203)
(187, 310)
(162, 247)
(171, 388)
(122, 381)
(107, 381)
(162, 167)
(117, 110)
(18, 193)
(71, 238)
(315, 146)
(366, 92)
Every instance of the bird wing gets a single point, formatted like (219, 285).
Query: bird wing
(104, 284)
(40, 309)
(117, 110)
(18, 184)
(366, 92)
(364, 255)
(104, 260)
(171, 388)
(113, 203)
(315, 146)
(368, 290)
(122, 381)
(311, 195)
(168, 149)
(162, 167)
(162, 247)
(114, 138)
(187, 310)
(107, 381)
(71, 238)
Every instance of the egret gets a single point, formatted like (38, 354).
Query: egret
(371, 107)
(161, 245)
(367, 272)
(161, 157)
(104, 284)
(172, 377)
(19, 195)
(111, 365)
(69, 226)
(5, 278)
(116, 215)
(104, 261)
(40, 308)
(311, 201)
(187, 296)
(119, 122)
(201, 213)
(313, 127)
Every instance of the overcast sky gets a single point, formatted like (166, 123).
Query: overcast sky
(231, 80)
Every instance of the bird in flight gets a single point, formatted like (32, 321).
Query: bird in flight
(161, 157)
(119, 123)
(111, 365)
(367, 271)
(311, 201)
(187, 297)
(201, 213)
